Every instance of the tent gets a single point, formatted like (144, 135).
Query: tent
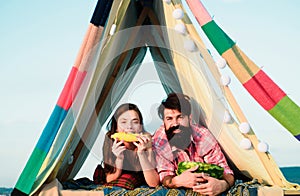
(117, 39)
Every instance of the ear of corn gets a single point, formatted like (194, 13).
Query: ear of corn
(127, 137)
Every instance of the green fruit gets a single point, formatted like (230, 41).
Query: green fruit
(211, 169)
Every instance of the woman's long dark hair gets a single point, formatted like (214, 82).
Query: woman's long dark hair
(108, 157)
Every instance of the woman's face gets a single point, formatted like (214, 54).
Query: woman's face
(129, 122)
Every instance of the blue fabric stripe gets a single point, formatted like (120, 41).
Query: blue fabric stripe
(57, 117)
(29, 173)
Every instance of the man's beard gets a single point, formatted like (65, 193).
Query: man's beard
(180, 140)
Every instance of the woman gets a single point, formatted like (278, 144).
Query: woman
(129, 164)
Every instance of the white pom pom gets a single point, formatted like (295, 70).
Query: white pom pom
(225, 80)
(244, 127)
(167, 1)
(262, 147)
(221, 63)
(180, 28)
(245, 144)
(112, 29)
(227, 117)
(190, 45)
(178, 14)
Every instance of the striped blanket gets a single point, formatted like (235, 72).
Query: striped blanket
(240, 188)
(144, 191)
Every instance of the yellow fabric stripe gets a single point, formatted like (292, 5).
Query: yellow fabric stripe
(243, 67)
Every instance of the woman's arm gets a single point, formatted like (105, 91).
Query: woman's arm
(147, 159)
(113, 176)
(147, 162)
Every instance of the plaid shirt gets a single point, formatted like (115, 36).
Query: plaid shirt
(203, 148)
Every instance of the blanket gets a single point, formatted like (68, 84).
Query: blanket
(83, 187)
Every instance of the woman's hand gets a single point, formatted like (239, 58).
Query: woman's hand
(118, 149)
(144, 143)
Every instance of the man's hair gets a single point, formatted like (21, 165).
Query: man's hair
(175, 101)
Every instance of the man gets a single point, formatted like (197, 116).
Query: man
(178, 140)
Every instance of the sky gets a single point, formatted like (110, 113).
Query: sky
(39, 42)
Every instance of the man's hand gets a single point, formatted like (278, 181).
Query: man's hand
(212, 186)
(187, 179)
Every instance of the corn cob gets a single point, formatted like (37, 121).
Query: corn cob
(127, 137)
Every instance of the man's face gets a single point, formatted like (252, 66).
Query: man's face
(177, 128)
(174, 118)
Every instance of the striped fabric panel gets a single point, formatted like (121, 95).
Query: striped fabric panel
(199, 11)
(71, 88)
(243, 68)
(275, 101)
(287, 113)
(25, 183)
(48, 135)
(28, 175)
(101, 12)
(256, 82)
(33, 165)
(220, 40)
(264, 90)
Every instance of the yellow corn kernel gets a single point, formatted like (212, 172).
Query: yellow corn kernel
(127, 137)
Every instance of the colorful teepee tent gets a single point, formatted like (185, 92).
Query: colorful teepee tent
(117, 39)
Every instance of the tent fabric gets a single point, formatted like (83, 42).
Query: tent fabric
(259, 85)
(227, 134)
(42, 148)
(109, 59)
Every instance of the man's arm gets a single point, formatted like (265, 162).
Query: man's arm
(187, 179)
(229, 178)
(176, 182)
(168, 182)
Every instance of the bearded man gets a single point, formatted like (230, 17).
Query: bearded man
(179, 140)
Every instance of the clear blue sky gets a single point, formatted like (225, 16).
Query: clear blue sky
(39, 42)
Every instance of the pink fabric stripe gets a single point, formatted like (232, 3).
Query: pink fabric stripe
(264, 90)
(199, 11)
(83, 46)
(71, 88)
